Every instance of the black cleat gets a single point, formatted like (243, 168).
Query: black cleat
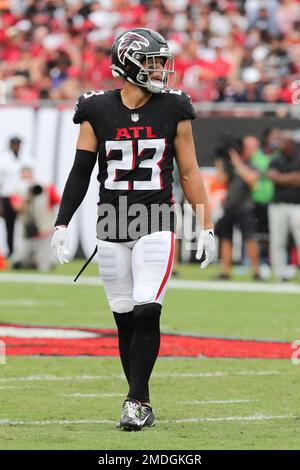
(131, 416)
(147, 416)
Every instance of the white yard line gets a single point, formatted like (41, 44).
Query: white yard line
(57, 378)
(113, 395)
(28, 303)
(27, 332)
(216, 402)
(274, 288)
(9, 387)
(16, 422)
(214, 374)
(93, 395)
(258, 417)
(174, 283)
(48, 279)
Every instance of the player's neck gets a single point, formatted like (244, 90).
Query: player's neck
(134, 97)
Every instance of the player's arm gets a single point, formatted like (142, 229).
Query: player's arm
(291, 178)
(75, 189)
(190, 176)
(249, 175)
(79, 177)
(194, 190)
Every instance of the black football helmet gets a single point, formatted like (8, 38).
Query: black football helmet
(134, 57)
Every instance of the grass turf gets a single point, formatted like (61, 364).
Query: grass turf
(43, 412)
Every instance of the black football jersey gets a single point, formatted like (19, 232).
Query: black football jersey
(135, 158)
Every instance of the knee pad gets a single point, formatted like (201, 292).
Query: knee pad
(146, 315)
(144, 294)
(121, 305)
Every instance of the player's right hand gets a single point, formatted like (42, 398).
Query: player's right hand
(206, 249)
(60, 244)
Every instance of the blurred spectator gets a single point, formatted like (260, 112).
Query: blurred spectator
(10, 166)
(277, 63)
(287, 13)
(34, 203)
(271, 94)
(252, 90)
(263, 190)
(240, 177)
(284, 213)
(53, 49)
(263, 21)
(262, 11)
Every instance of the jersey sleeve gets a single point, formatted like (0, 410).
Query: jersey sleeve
(185, 107)
(80, 114)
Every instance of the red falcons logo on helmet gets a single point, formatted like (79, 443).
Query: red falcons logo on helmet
(130, 41)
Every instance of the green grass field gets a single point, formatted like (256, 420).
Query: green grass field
(200, 403)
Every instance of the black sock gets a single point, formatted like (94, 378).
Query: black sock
(144, 349)
(125, 324)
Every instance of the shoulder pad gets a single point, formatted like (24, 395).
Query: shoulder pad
(89, 94)
(184, 105)
(83, 105)
(173, 91)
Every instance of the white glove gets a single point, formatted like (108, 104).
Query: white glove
(60, 244)
(206, 247)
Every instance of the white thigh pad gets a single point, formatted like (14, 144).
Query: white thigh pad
(155, 252)
(151, 265)
(107, 259)
(114, 261)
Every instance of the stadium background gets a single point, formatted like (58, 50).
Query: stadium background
(237, 59)
(240, 62)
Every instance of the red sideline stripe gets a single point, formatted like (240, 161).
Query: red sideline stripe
(174, 345)
(171, 346)
(167, 273)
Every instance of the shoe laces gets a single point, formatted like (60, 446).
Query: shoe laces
(145, 411)
(132, 409)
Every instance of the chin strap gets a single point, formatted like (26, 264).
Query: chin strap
(86, 263)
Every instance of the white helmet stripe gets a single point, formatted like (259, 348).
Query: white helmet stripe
(130, 41)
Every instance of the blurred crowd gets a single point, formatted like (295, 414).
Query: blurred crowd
(226, 50)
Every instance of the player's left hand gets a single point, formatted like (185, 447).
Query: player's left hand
(206, 248)
(60, 244)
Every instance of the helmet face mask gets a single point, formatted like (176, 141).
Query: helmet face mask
(140, 53)
(161, 65)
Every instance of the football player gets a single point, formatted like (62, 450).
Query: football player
(135, 133)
